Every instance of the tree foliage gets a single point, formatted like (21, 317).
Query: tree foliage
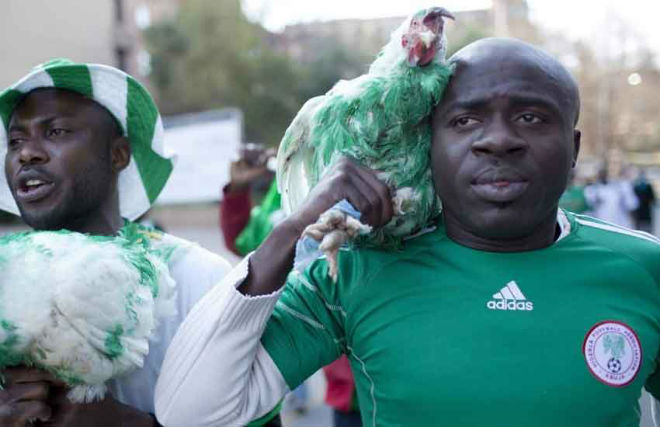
(211, 56)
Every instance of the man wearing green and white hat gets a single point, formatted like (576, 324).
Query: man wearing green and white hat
(83, 150)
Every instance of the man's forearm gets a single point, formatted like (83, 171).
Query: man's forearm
(272, 262)
(215, 371)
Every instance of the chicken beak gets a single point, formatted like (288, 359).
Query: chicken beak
(433, 19)
(441, 12)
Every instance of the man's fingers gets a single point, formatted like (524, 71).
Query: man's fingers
(32, 410)
(358, 200)
(21, 375)
(383, 191)
(378, 195)
(363, 189)
(371, 204)
(357, 184)
(379, 209)
(28, 391)
(253, 173)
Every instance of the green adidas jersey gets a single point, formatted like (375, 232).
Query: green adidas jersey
(441, 334)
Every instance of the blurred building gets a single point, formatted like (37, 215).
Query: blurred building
(131, 17)
(33, 31)
(99, 31)
(368, 36)
(620, 105)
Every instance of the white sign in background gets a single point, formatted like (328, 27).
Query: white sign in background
(205, 144)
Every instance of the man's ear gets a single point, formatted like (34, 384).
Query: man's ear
(577, 135)
(121, 153)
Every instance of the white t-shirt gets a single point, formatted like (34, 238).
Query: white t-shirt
(195, 270)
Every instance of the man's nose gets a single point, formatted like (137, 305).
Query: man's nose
(32, 152)
(499, 139)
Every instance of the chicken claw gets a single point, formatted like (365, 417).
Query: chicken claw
(333, 229)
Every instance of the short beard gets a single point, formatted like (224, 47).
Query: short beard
(90, 190)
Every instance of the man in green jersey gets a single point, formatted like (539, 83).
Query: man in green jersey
(507, 311)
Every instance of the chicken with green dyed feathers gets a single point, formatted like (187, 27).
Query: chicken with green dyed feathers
(381, 119)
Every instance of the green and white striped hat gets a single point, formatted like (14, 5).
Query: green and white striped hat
(130, 104)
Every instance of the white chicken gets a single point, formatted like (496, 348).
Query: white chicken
(82, 307)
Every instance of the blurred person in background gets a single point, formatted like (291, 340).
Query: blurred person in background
(573, 199)
(612, 200)
(646, 197)
(341, 394)
(244, 228)
(244, 221)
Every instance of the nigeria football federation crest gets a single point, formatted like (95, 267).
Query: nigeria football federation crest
(613, 353)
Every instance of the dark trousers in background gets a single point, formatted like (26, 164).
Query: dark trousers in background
(347, 419)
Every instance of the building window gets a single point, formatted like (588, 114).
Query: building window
(144, 63)
(121, 55)
(119, 10)
(142, 16)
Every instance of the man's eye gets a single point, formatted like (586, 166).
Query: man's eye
(462, 122)
(57, 132)
(529, 118)
(13, 142)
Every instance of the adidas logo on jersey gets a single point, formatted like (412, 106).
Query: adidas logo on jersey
(510, 298)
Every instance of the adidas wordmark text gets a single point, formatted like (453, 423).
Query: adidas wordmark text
(510, 298)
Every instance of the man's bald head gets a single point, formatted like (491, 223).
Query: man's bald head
(502, 54)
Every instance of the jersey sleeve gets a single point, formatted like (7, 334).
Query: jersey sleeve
(306, 330)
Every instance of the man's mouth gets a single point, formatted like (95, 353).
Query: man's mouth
(33, 189)
(499, 186)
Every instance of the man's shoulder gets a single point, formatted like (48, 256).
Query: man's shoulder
(609, 234)
(639, 246)
(194, 268)
(173, 249)
(193, 257)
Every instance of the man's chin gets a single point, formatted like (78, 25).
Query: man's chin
(41, 220)
(503, 223)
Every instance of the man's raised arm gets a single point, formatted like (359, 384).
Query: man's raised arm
(216, 372)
